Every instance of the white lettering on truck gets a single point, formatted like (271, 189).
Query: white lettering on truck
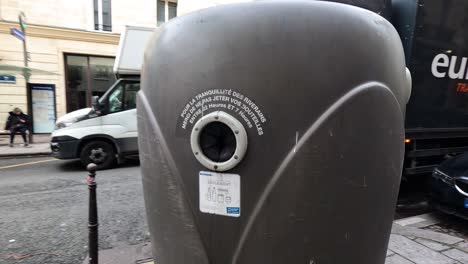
(442, 61)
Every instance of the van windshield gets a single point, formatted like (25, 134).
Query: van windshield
(121, 97)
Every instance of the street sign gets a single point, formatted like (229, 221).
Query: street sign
(7, 79)
(17, 33)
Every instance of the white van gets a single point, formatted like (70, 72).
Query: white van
(107, 132)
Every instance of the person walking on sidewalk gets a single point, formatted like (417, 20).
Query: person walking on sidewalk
(17, 122)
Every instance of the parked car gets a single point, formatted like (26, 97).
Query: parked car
(449, 192)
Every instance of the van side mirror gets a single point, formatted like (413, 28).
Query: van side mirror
(94, 101)
(95, 104)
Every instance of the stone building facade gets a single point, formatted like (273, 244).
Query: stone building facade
(71, 47)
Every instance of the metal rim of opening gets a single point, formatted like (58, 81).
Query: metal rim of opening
(461, 181)
(239, 133)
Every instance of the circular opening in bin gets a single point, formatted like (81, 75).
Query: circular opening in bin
(217, 142)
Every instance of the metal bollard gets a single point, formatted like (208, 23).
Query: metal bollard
(92, 215)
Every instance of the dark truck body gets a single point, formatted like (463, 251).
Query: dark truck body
(434, 34)
(435, 37)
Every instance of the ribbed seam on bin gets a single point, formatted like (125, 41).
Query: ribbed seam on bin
(295, 149)
(143, 103)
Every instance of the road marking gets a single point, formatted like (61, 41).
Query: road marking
(145, 261)
(25, 164)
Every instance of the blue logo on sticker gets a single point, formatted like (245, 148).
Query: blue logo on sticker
(233, 210)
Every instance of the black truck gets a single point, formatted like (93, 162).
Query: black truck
(435, 37)
(434, 34)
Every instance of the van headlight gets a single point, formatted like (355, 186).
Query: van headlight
(66, 123)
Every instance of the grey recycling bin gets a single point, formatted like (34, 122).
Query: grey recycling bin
(272, 132)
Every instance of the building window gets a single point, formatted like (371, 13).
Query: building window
(102, 15)
(161, 12)
(172, 10)
(96, 15)
(86, 76)
(165, 11)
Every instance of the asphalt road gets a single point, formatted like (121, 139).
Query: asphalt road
(44, 208)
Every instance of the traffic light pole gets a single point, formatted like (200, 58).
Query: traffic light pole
(25, 50)
(22, 22)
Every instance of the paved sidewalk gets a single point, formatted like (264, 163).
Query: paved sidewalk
(135, 254)
(40, 146)
(409, 243)
(412, 243)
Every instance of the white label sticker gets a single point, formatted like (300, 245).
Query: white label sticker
(219, 193)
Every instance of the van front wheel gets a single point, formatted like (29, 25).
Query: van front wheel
(100, 153)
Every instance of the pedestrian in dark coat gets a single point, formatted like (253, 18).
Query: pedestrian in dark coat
(17, 122)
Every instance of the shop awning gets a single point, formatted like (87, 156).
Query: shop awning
(27, 72)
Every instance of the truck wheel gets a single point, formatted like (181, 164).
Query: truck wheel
(100, 153)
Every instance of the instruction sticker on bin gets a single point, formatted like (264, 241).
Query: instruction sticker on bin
(219, 193)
